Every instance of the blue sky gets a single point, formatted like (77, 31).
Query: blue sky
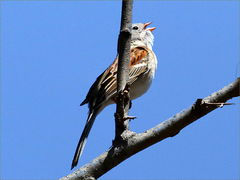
(51, 53)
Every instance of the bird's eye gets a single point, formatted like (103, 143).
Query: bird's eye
(135, 28)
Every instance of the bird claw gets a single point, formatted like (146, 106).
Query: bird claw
(129, 118)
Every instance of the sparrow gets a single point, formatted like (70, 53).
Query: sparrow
(103, 92)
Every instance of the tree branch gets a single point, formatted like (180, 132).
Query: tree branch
(168, 128)
(124, 43)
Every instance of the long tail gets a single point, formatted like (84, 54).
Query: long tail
(82, 141)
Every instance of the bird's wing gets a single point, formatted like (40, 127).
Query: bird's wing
(105, 86)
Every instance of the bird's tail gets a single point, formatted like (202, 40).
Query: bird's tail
(83, 138)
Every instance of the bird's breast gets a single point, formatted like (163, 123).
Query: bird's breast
(140, 86)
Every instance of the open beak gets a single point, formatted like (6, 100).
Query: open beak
(150, 28)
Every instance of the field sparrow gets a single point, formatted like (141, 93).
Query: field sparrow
(103, 92)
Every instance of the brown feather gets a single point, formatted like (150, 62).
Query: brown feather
(137, 55)
(105, 85)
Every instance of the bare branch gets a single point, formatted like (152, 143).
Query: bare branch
(168, 128)
(124, 42)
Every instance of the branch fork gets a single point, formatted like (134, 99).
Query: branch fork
(205, 103)
(133, 143)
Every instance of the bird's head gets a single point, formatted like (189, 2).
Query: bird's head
(141, 32)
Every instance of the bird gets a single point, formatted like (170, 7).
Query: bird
(103, 92)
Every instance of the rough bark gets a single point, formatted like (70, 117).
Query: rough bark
(168, 128)
(124, 43)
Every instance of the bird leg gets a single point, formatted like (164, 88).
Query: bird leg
(127, 102)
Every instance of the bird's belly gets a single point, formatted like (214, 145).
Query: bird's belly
(139, 87)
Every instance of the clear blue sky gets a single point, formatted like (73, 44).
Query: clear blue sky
(51, 53)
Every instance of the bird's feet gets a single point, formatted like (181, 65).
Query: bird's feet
(129, 118)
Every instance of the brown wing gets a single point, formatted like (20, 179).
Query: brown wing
(138, 63)
(96, 91)
(105, 86)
